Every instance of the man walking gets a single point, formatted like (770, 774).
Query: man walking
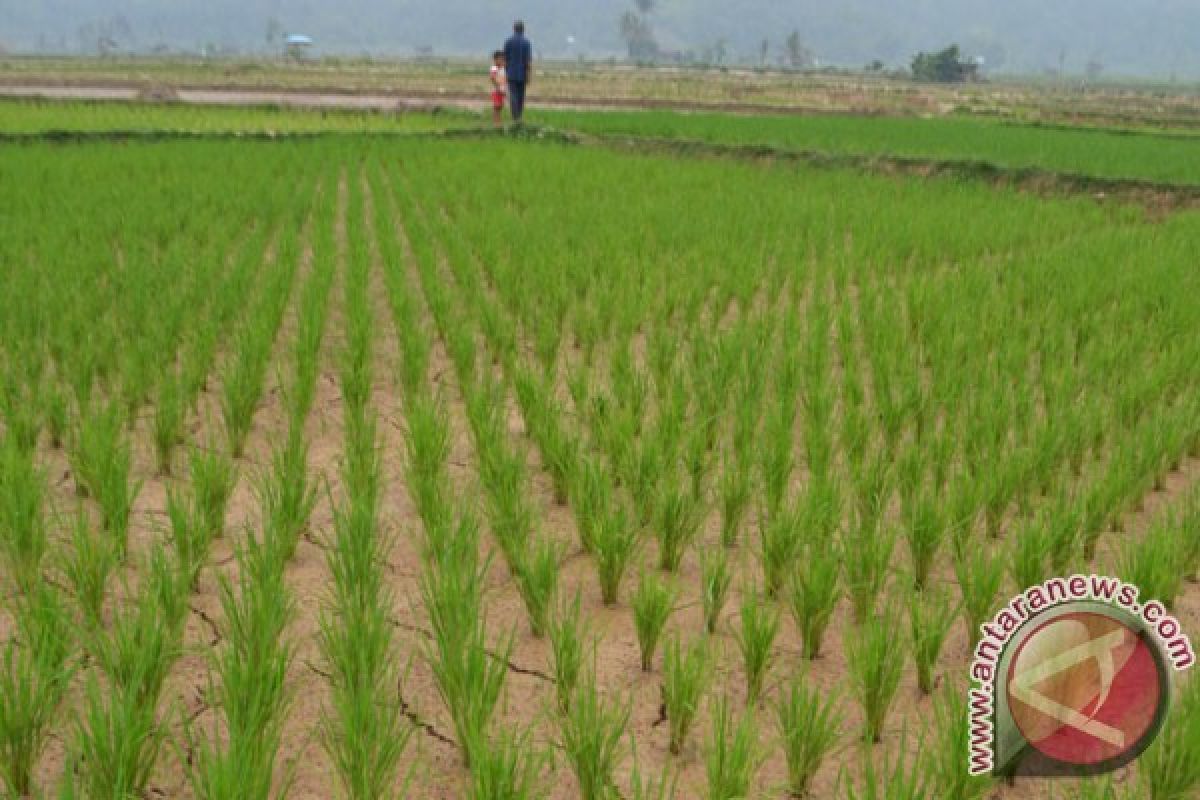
(518, 59)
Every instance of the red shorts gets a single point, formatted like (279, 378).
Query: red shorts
(497, 101)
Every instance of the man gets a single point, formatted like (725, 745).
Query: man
(518, 60)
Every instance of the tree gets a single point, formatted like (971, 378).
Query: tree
(945, 66)
(644, 6)
(798, 55)
(638, 36)
(764, 50)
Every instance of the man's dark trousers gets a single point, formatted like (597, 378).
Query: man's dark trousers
(516, 99)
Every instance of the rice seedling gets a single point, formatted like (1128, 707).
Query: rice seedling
(876, 663)
(781, 538)
(1170, 767)
(287, 497)
(943, 762)
(678, 518)
(469, 677)
(735, 491)
(190, 535)
(87, 566)
(814, 595)
(213, 476)
(1028, 556)
(979, 574)
(23, 536)
(251, 667)
(118, 740)
(566, 646)
(891, 779)
(715, 579)
(734, 755)
(929, 618)
(507, 768)
(809, 724)
(924, 532)
(168, 421)
(756, 641)
(867, 552)
(591, 731)
(685, 676)
(102, 461)
(1154, 564)
(537, 580)
(35, 670)
(616, 545)
(652, 602)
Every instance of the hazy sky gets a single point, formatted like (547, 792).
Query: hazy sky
(1136, 37)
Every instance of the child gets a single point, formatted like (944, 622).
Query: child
(499, 87)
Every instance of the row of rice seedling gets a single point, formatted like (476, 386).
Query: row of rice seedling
(363, 729)
(469, 665)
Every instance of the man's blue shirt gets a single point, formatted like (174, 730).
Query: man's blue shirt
(518, 54)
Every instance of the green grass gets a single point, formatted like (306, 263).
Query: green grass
(39, 116)
(1085, 152)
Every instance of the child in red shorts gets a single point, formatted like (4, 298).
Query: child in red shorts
(499, 82)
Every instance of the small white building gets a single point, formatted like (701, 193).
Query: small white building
(297, 46)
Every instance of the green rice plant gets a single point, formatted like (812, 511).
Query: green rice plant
(102, 460)
(287, 496)
(117, 738)
(591, 732)
(652, 602)
(943, 763)
(1062, 539)
(809, 724)
(616, 545)
(1155, 564)
(170, 586)
(590, 495)
(891, 779)
(776, 462)
(35, 670)
(876, 662)
(979, 574)
(469, 677)
(428, 447)
(252, 667)
(735, 490)
(924, 531)
(1028, 555)
(814, 595)
(137, 651)
(566, 647)
(190, 535)
(685, 676)
(715, 578)
(756, 641)
(507, 768)
(23, 538)
(168, 421)
(642, 787)
(56, 416)
(87, 566)
(929, 618)
(1170, 768)
(781, 538)
(734, 755)
(867, 549)
(537, 580)
(213, 475)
